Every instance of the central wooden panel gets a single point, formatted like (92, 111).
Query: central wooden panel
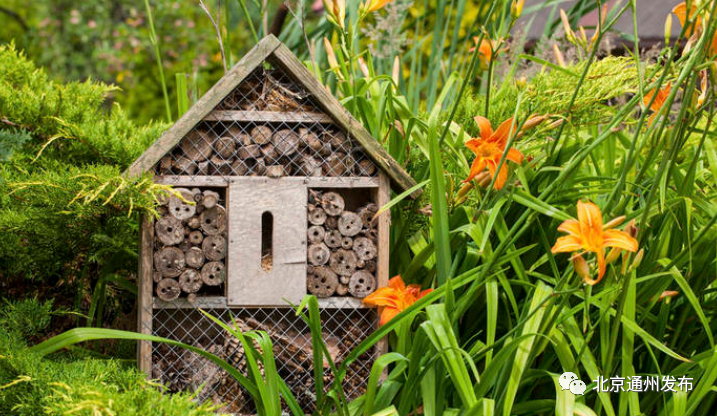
(273, 272)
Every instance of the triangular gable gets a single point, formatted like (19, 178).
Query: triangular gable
(249, 92)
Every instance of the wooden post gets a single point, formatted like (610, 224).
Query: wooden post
(144, 283)
(384, 239)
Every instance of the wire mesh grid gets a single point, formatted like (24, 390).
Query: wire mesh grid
(183, 370)
(268, 126)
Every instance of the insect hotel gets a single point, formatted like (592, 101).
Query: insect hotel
(279, 188)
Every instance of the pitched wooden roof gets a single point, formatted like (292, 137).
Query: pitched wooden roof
(270, 48)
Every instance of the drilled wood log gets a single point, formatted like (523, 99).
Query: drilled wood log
(259, 167)
(184, 166)
(251, 151)
(364, 248)
(238, 135)
(214, 247)
(316, 234)
(196, 146)
(317, 216)
(333, 239)
(165, 164)
(318, 254)
(225, 146)
(347, 243)
(190, 281)
(275, 171)
(182, 209)
(362, 284)
(193, 222)
(210, 199)
(203, 168)
(269, 153)
(333, 204)
(331, 223)
(312, 141)
(350, 224)
(309, 166)
(343, 262)
(194, 257)
(337, 164)
(169, 261)
(213, 221)
(365, 168)
(261, 134)
(367, 212)
(195, 237)
(213, 273)
(239, 167)
(221, 166)
(169, 230)
(286, 142)
(370, 233)
(323, 282)
(168, 289)
(342, 289)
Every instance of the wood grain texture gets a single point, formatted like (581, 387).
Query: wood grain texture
(268, 116)
(144, 292)
(383, 196)
(248, 283)
(203, 106)
(287, 61)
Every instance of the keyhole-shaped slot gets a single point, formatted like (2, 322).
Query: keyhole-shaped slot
(267, 240)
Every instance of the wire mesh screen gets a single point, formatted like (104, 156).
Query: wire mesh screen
(268, 126)
(183, 370)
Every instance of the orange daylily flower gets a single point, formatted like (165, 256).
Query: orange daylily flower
(489, 148)
(395, 297)
(374, 5)
(656, 105)
(487, 49)
(589, 234)
(696, 25)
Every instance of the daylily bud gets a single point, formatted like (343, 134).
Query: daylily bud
(581, 267)
(396, 70)
(555, 124)
(703, 88)
(614, 223)
(464, 189)
(363, 67)
(612, 255)
(533, 121)
(516, 8)
(558, 56)
(483, 179)
(331, 56)
(569, 34)
(668, 294)
(668, 29)
(631, 229)
(336, 12)
(638, 259)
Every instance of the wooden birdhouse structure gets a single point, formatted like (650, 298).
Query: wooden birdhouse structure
(279, 185)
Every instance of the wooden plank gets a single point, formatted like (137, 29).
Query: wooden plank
(217, 181)
(144, 281)
(329, 182)
(268, 116)
(383, 196)
(249, 282)
(224, 181)
(220, 302)
(401, 180)
(203, 106)
(202, 302)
